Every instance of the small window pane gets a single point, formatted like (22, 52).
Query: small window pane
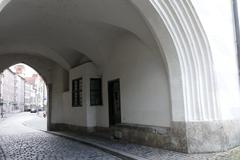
(77, 92)
(95, 91)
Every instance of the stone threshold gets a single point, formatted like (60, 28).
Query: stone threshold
(121, 154)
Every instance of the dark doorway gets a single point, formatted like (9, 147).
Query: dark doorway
(114, 102)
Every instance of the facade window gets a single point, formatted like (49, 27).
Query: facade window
(77, 92)
(95, 91)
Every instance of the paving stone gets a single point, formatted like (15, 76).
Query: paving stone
(42, 146)
(155, 153)
(18, 142)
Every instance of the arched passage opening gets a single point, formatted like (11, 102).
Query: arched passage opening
(24, 90)
(118, 48)
(56, 82)
(161, 26)
(160, 53)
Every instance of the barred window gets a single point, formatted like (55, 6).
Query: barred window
(77, 92)
(95, 91)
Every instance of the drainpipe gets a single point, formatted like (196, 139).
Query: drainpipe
(237, 30)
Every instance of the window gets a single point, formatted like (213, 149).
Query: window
(95, 91)
(77, 92)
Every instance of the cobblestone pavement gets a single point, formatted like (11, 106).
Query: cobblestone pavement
(149, 152)
(155, 153)
(18, 142)
(142, 151)
(32, 144)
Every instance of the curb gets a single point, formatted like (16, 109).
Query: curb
(115, 152)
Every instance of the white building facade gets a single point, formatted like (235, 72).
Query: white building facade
(35, 93)
(12, 91)
(28, 96)
(19, 93)
(41, 93)
(8, 90)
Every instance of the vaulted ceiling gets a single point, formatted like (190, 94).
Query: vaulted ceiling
(69, 32)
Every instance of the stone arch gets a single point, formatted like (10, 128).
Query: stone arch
(173, 25)
(181, 39)
(35, 62)
(32, 50)
(36, 69)
(42, 75)
(178, 31)
(44, 67)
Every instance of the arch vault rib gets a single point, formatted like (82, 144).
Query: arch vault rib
(194, 56)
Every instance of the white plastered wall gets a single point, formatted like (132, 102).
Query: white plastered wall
(217, 20)
(85, 115)
(143, 84)
(58, 87)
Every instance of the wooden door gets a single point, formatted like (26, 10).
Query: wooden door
(114, 102)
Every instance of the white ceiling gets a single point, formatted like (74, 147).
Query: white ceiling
(70, 32)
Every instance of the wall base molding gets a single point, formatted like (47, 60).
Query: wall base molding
(139, 134)
(187, 137)
(216, 136)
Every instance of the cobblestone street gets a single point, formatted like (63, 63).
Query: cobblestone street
(44, 146)
(18, 142)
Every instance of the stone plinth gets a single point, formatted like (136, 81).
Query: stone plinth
(187, 137)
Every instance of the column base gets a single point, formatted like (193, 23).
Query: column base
(205, 137)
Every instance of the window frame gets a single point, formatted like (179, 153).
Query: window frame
(96, 92)
(77, 93)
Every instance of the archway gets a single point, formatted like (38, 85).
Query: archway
(73, 33)
(45, 68)
(24, 90)
(170, 28)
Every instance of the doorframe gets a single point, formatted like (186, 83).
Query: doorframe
(49, 107)
(110, 103)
